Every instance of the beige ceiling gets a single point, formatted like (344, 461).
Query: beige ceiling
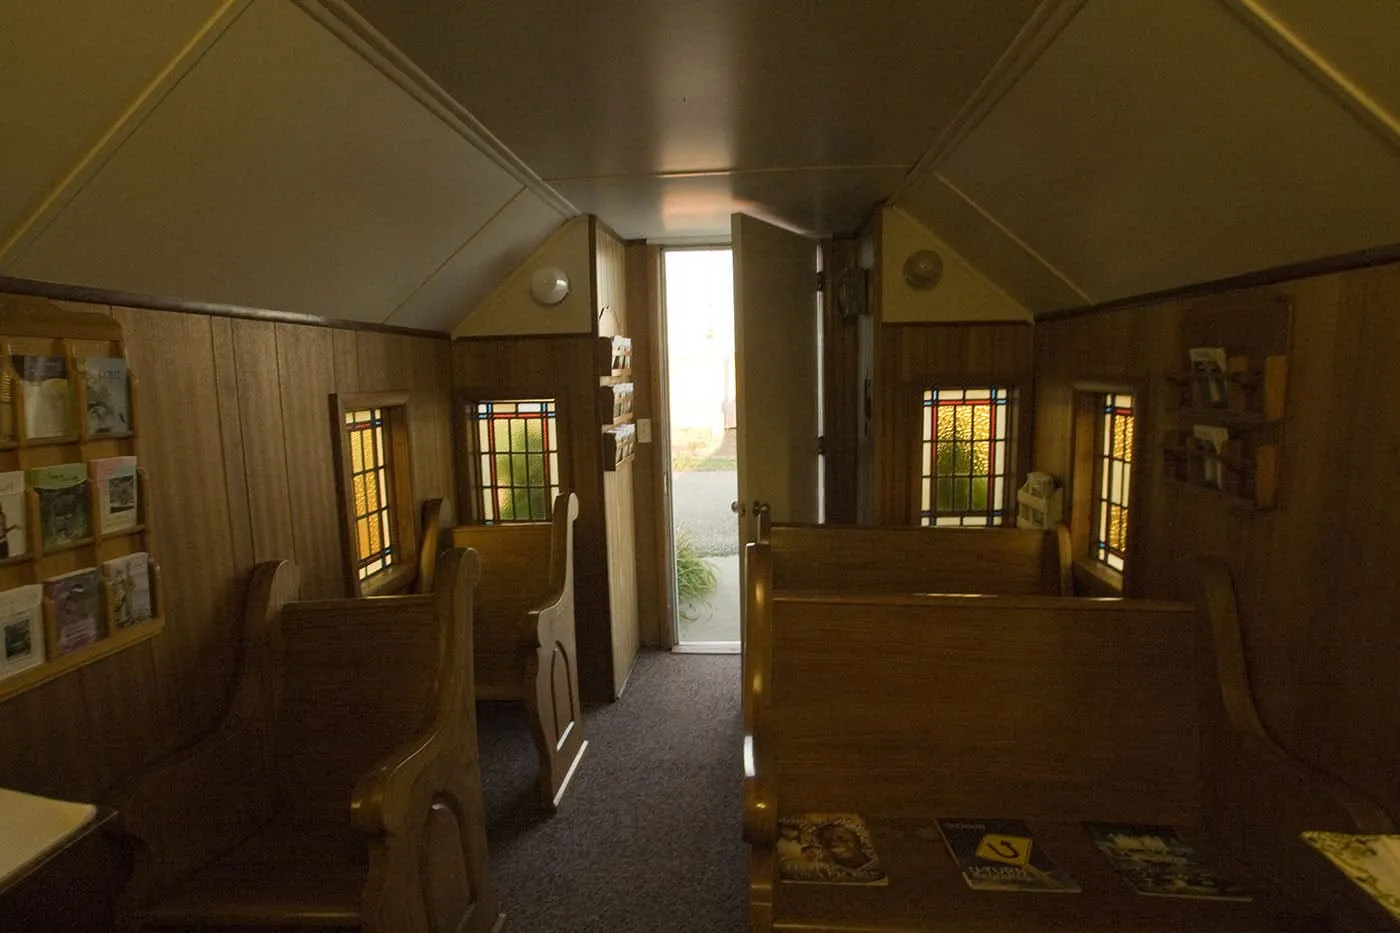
(802, 112)
(395, 160)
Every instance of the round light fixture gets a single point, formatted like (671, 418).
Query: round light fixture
(923, 269)
(549, 285)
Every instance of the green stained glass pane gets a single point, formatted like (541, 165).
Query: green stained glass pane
(501, 430)
(534, 436)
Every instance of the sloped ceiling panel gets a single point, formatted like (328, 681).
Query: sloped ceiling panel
(67, 72)
(1357, 37)
(1008, 262)
(699, 206)
(284, 172)
(1158, 145)
(483, 262)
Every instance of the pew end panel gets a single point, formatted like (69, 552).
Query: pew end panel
(376, 821)
(908, 708)
(526, 644)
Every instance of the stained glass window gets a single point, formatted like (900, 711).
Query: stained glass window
(366, 431)
(518, 451)
(1114, 477)
(965, 458)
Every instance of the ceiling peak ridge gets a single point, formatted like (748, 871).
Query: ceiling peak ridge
(13, 243)
(1021, 244)
(1050, 18)
(725, 172)
(1312, 64)
(360, 36)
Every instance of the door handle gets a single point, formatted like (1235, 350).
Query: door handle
(736, 508)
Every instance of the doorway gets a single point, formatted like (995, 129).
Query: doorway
(699, 313)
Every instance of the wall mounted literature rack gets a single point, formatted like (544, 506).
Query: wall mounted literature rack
(78, 577)
(1227, 404)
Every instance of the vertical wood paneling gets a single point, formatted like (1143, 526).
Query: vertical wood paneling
(180, 444)
(841, 386)
(306, 380)
(376, 368)
(264, 441)
(648, 468)
(1315, 576)
(347, 361)
(915, 357)
(234, 433)
(622, 570)
(562, 368)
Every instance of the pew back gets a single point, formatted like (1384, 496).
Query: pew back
(361, 668)
(1036, 707)
(1008, 561)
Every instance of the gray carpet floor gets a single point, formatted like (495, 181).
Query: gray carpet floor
(647, 839)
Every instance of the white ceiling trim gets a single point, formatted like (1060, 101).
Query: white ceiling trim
(1311, 63)
(1006, 232)
(360, 36)
(121, 129)
(1044, 25)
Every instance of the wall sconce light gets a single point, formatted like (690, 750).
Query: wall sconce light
(923, 269)
(549, 285)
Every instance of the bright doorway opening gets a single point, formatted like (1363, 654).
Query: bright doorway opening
(699, 302)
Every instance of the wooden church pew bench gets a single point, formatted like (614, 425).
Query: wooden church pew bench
(525, 633)
(905, 559)
(341, 789)
(906, 708)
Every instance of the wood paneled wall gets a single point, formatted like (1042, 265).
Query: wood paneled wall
(649, 469)
(841, 386)
(913, 357)
(235, 435)
(1316, 576)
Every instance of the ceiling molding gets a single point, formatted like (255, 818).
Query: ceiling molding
(1313, 65)
(1043, 27)
(121, 129)
(359, 35)
(57, 291)
(1020, 243)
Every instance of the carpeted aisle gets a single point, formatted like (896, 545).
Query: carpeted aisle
(647, 839)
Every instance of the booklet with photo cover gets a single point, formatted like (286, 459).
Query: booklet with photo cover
(1156, 861)
(77, 610)
(64, 514)
(21, 629)
(1002, 855)
(108, 402)
(827, 848)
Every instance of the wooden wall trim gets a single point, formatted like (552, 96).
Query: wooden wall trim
(57, 291)
(1328, 265)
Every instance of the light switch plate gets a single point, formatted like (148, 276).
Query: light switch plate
(643, 430)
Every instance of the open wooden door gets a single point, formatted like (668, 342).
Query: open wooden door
(776, 384)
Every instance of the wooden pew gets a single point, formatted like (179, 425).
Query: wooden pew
(904, 559)
(341, 790)
(907, 708)
(525, 633)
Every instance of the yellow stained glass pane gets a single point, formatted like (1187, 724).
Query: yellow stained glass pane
(501, 430)
(1117, 527)
(361, 498)
(374, 543)
(356, 456)
(375, 489)
(982, 422)
(1122, 435)
(362, 537)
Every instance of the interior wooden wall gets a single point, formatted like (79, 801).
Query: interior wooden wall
(1316, 576)
(563, 368)
(649, 469)
(841, 386)
(611, 311)
(913, 357)
(234, 431)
